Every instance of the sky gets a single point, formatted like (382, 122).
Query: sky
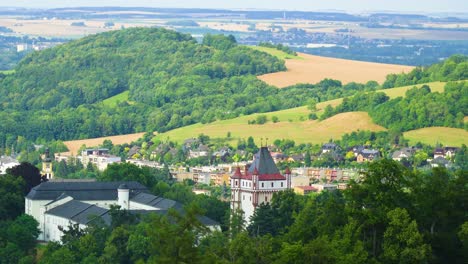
(353, 6)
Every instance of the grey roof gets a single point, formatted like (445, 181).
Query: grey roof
(263, 163)
(81, 190)
(77, 211)
(84, 213)
(123, 186)
(155, 201)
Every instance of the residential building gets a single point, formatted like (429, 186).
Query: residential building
(99, 157)
(367, 155)
(404, 153)
(329, 147)
(257, 184)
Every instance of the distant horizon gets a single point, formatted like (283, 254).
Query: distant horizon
(347, 6)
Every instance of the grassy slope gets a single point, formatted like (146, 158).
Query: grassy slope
(112, 101)
(445, 135)
(277, 53)
(293, 124)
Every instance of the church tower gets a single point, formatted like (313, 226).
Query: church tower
(257, 184)
(47, 171)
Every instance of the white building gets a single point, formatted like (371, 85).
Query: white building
(7, 163)
(61, 203)
(99, 157)
(257, 184)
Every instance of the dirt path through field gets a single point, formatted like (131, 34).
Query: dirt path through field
(313, 69)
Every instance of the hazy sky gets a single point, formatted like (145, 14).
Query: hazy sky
(347, 5)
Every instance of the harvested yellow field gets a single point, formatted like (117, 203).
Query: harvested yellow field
(309, 131)
(313, 69)
(74, 145)
(446, 136)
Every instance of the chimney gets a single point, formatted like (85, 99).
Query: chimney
(123, 196)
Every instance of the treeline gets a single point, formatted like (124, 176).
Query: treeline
(419, 108)
(279, 46)
(454, 68)
(393, 215)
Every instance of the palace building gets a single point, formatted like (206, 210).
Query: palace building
(257, 184)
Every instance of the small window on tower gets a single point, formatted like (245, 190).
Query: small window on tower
(281, 184)
(243, 197)
(266, 199)
(271, 184)
(263, 185)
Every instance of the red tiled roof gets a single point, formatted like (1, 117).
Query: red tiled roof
(237, 174)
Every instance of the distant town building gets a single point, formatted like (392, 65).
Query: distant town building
(7, 162)
(99, 157)
(257, 184)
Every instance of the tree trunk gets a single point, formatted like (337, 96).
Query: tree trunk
(432, 227)
(374, 241)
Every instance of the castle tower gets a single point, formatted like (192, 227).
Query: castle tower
(47, 171)
(257, 184)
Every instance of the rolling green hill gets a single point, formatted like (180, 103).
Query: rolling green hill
(153, 79)
(294, 124)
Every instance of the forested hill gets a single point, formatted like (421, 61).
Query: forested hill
(163, 80)
(150, 62)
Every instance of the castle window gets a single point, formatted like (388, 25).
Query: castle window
(266, 199)
(243, 197)
(250, 198)
(271, 184)
(281, 184)
(263, 185)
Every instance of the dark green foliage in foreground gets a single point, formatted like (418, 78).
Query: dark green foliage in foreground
(392, 215)
(18, 232)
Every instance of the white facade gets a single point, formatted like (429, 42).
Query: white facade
(7, 163)
(51, 205)
(258, 184)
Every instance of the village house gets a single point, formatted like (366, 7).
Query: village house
(367, 155)
(330, 147)
(404, 153)
(201, 151)
(446, 152)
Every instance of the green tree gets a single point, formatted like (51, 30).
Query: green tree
(402, 241)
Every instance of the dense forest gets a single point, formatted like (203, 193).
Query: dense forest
(391, 215)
